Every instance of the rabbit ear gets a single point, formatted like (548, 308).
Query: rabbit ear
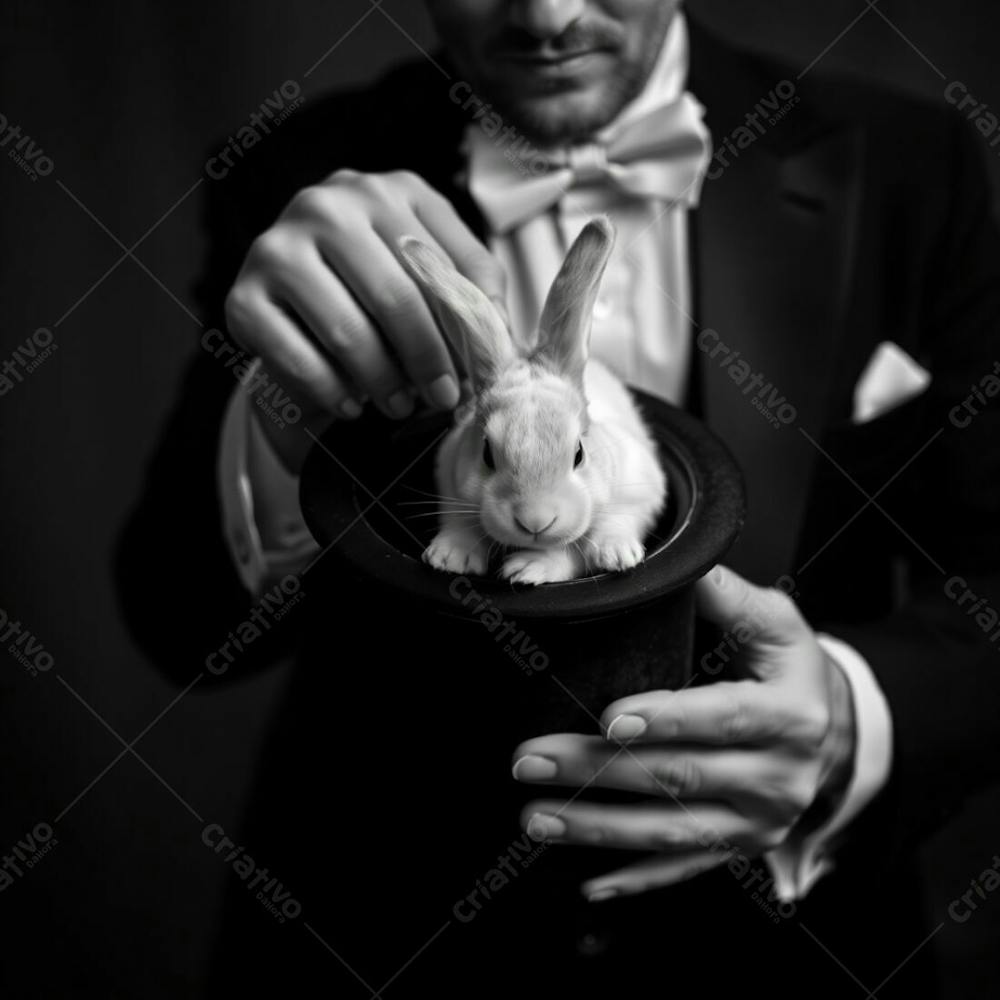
(564, 328)
(468, 318)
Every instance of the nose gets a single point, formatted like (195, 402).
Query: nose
(535, 522)
(546, 18)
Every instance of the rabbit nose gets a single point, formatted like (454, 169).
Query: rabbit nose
(534, 522)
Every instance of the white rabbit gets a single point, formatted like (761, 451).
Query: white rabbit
(551, 457)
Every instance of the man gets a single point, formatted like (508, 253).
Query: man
(774, 232)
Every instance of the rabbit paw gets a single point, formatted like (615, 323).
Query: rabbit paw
(534, 567)
(457, 552)
(617, 554)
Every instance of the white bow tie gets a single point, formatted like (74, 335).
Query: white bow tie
(662, 154)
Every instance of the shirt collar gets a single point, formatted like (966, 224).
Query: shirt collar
(666, 81)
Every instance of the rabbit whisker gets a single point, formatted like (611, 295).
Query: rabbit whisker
(432, 503)
(436, 496)
(456, 515)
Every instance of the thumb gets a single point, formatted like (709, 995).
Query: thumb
(757, 615)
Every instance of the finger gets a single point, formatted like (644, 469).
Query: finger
(377, 280)
(293, 361)
(341, 326)
(644, 827)
(583, 761)
(465, 250)
(765, 614)
(724, 713)
(653, 873)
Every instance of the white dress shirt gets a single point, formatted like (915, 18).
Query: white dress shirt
(642, 330)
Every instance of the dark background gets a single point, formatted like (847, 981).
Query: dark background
(127, 98)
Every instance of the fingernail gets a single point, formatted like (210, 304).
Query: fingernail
(351, 408)
(542, 826)
(532, 767)
(400, 404)
(607, 892)
(626, 727)
(443, 392)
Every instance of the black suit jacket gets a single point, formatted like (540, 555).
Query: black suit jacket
(861, 216)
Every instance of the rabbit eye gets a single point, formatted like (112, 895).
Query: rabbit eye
(579, 455)
(488, 455)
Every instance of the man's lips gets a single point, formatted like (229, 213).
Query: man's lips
(564, 64)
(538, 58)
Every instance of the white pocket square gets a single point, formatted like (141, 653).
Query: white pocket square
(890, 378)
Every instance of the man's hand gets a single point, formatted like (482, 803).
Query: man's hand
(730, 766)
(325, 302)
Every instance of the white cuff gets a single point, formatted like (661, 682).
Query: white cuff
(796, 866)
(259, 500)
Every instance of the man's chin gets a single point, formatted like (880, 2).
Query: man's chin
(550, 119)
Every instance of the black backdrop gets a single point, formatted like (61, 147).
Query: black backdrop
(124, 99)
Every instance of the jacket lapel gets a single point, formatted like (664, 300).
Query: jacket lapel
(772, 254)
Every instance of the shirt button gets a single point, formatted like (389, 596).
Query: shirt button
(591, 945)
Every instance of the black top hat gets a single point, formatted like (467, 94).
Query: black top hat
(506, 662)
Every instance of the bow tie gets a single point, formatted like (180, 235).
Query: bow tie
(662, 154)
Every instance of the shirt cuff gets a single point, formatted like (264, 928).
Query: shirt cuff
(264, 529)
(798, 864)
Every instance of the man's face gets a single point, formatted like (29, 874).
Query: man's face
(557, 70)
